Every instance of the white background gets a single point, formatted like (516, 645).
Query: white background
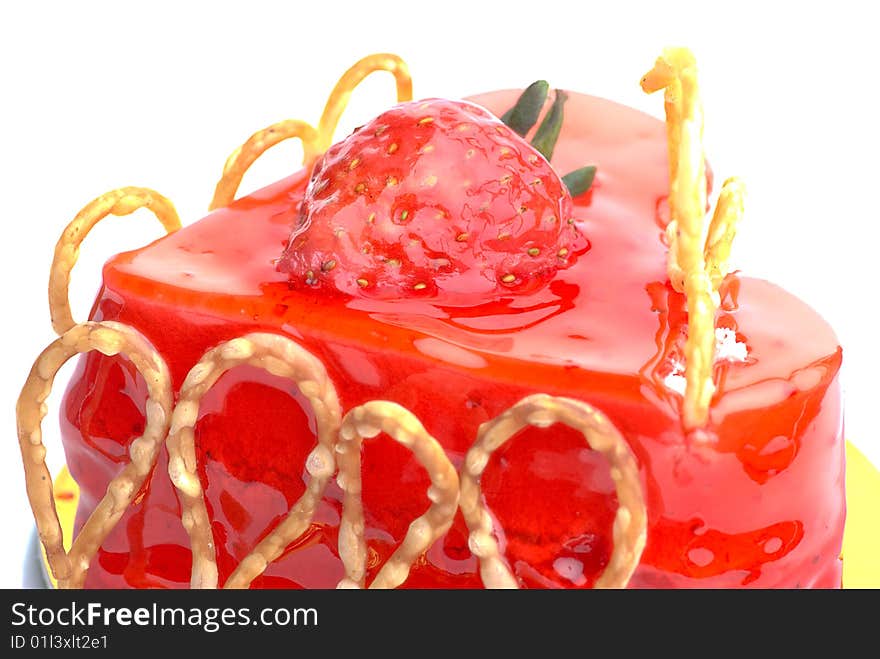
(95, 96)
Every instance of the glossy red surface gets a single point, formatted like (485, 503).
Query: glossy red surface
(755, 500)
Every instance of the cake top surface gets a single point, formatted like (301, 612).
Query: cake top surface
(611, 311)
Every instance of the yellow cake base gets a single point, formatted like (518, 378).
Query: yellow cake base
(861, 537)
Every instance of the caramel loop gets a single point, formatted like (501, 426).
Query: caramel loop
(257, 144)
(542, 411)
(109, 338)
(282, 357)
(400, 424)
(121, 201)
(341, 94)
(314, 141)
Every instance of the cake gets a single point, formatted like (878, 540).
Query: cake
(371, 374)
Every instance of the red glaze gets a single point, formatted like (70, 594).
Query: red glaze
(436, 200)
(757, 500)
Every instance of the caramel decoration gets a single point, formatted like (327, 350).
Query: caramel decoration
(542, 411)
(696, 264)
(314, 141)
(109, 338)
(122, 201)
(339, 441)
(281, 357)
(369, 420)
(341, 94)
(244, 156)
(722, 230)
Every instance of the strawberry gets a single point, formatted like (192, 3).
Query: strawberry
(433, 198)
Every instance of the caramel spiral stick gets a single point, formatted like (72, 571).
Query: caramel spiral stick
(121, 201)
(696, 265)
(670, 71)
(282, 357)
(366, 421)
(109, 338)
(542, 411)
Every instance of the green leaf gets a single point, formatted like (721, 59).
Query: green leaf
(548, 132)
(580, 180)
(522, 116)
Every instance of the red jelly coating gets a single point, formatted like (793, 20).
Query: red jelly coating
(756, 500)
